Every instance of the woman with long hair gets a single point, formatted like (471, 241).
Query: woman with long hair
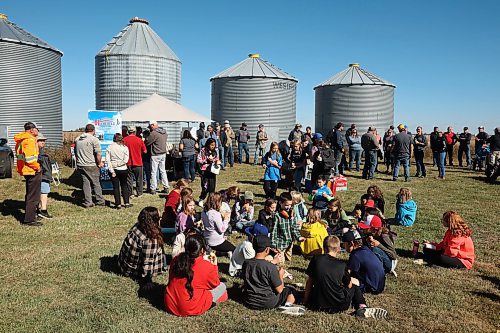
(214, 225)
(378, 196)
(208, 157)
(141, 256)
(193, 284)
(188, 146)
(117, 155)
(456, 250)
(272, 163)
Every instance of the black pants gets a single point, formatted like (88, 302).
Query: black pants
(121, 181)
(32, 197)
(208, 183)
(224, 247)
(419, 162)
(449, 152)
(137, 173)
(270, 188)
(354, 296)
(437, 258)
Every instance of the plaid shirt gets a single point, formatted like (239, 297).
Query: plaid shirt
(285, 231)
(139, 256)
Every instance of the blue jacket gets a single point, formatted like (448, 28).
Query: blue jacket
(406, 213)
(272, 172)
(354, 143)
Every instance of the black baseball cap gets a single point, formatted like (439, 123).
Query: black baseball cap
(261, 242)
(29, 125)
(350, 236)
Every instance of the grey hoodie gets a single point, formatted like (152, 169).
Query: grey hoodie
(158, 141)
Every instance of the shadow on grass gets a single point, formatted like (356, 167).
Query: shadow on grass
(110, 265)
(483, 179)
(74, 199)
(493, 279)
(235, 293)
(405, 253)
(74, 180)
(250, 182)
(491, 296)
(13, 208)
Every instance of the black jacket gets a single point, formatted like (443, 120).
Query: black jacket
(45, 165)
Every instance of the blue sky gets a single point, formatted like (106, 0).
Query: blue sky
(442, 55)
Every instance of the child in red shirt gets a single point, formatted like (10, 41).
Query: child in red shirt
(172, 202)
(194, 286)
(456, 250)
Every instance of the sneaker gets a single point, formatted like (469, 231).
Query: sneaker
(32, 224)
(419, 261)
(118, 206)
(128, 205)
(375, 313)
(393, 273)
(44, 214)
(200, 203)
(292, 310)
(287, 275)
(102, 204)
(88, 206)
(165, 190)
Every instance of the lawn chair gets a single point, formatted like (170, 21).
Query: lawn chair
(56, 173)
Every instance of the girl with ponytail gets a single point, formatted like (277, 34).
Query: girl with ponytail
(194, 285)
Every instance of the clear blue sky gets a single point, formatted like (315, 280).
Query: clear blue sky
(442, 55)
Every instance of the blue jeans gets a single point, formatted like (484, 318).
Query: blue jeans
(440, 156)
(158, 167)
(241, 225)
(354, 156)
(384, 258)
(370, 164)
(229, 155)
(464, 149)
(243, 146)
(222, 159)
(419, 162)
(259, 152)
(189, 163)
(297, 178)
(337, 155)
(405, 161)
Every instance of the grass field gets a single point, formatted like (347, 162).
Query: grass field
(62, 277)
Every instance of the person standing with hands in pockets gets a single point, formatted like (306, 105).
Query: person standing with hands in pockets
(419, 144)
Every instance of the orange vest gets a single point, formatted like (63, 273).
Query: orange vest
(27, 154)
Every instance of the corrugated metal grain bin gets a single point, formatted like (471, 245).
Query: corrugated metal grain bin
(133, 65)
(30, 83)
(354, 96)
(255, 91)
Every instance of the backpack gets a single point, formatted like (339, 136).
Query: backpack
(327, 157)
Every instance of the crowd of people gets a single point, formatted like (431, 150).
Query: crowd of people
(320, 232)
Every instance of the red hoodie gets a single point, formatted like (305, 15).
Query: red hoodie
(450, 138)
(458, 247)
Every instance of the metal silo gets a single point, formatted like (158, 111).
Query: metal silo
(354, 96)
(133, 65)
(254, 91)
(30, 83)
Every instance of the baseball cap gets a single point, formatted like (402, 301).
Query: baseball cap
(248, 195)
(298, 125)
(40, 137)
(370, 203)
(217, 124)
(261, 242)
(261, 125)
(481, 127)
(401, 127)
(153, 122)
(131, 129)
(256, 230)
(226, 122)
(372, 221)
(244, 124)
(350, 236)
(317, 136)
(29, 125)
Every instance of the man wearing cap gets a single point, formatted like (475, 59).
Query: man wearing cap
(29, 168)
(245, 251)
(450, 138)
(402, 152)
(260, 144)
(200, 132)
(88, 163)
(480, 138)
(370, 146)
(242, 137)
(494, 142)
(136, 148)
(296, 134)
(157, 140)
(464, 146)
(46, 168)
(228, 144)
(419, 144)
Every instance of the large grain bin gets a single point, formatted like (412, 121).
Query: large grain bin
(134, 65)
(354, 96)
(30, 83)
(255, 92)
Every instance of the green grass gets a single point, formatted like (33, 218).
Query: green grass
(60, 278)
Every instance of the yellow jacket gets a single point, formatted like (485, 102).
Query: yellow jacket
(27, 154)
(315, 234)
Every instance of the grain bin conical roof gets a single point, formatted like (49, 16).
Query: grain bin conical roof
(138, 38)
(11, 33)
(355, 75)
(254, 66)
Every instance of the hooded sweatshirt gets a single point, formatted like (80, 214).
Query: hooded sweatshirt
(157, 140)
(27, 154)
(314, 234)
(406, 213)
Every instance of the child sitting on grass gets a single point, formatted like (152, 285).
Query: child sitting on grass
(335, 216)
(363, 264)
(314, 232)
(378, 197)
(243, 212)
(244, 250)
(329, 287)
(186, 192)
(286, 230)
(456, 250)
(299, 207)
(322, 194)
(185, 219)
(171, 203)
(266, 215)
(406, 209)
(380, 240)
(180, 240)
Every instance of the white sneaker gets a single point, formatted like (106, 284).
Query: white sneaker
(393, 273)
(200, 203)
(375, 313)
(288, 275)
(419, 261)
(292, 310)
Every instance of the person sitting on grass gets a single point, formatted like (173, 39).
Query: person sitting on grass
(406, 209)
(266, 215)
(141, 255)
(322, 194)
(180, 240)
(245, 251)
(378, 197)
(243, 211)
(193, 285)
(335, 217)
(456, 250)
(329, 288)
(363, 264)
(299, 206)
(215, 226)
(286, 230)
(171, 203)
(186, 192)
(186, 218)
(263, 281)
(380, 240)
(314, 232)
